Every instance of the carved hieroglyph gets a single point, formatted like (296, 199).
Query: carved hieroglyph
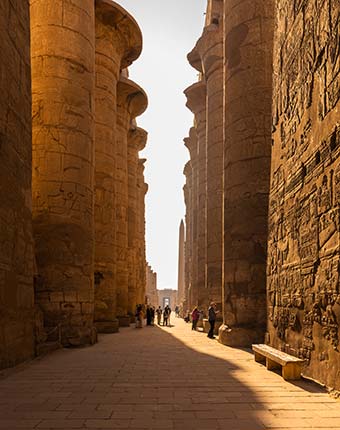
(16, 241)
(303, 249)
(118, 44)
(248, 32)
(132, 102)
(196, 102)
(207, 58)
(137, 138)
(191, 202)
(63, 79)
(141, 253)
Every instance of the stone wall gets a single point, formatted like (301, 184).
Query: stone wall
(303, 249)
(16, 241)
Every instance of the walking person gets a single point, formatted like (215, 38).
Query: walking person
(152, 310)
(139, 316)
(212, 312)
(195, 314)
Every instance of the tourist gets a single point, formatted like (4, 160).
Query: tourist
(152, 311)
(212, 312)
(159, 315)
(177, 311)
(166, 315)
(187, 317)
(195, 314)
(148, 315)
(139, 316)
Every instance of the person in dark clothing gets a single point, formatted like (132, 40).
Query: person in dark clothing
(212, 312)
(195, 315)
(148, 315)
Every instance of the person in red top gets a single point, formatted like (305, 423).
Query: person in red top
(195, 315)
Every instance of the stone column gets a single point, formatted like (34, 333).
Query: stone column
(181, 264)
(142, 190)
(16, 239)
(247, 152)
(191, 143)
(132, 102)
(63, 79)
(187, 190)
(207, 57)
(196, 96)
(136, 142)
(118, 44)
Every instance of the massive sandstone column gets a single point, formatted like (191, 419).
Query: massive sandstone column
(63, 51)
(191, 244)
(196, 102)
(141, 255)
(207, 58)
(118, 44)
(132, 102)
(181, 264)
(248, 93)
(16, 241)
(303, 249)
(136, 142)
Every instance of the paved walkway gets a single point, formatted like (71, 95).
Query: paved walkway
(159, 378)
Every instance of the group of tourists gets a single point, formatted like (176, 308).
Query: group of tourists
(149, 312)
(196, 315)
(166, 313)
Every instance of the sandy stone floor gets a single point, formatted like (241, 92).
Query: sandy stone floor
(159, 378)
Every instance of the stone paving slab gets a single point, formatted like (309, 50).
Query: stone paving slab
(159, 378)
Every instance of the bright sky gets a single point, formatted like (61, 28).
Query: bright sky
(170, 30)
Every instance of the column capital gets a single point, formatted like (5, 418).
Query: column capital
(137, 138)
(112, 14)
(196, 97)
(128, 92)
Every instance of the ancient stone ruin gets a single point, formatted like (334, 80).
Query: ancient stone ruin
(261, 192)
(72, 259)
(261, 230)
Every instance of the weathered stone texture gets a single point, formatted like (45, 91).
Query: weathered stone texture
(248, 32)
(63, 78)
(181, 266)
(191, 201)
(196, 102)
(118, 43)
(151, 293)
(16, 241)
(303, 249)
(141, 245)
(132, 102)
(137, 138)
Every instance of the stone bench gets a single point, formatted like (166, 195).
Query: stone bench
(275, 359)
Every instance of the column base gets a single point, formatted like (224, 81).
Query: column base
(124, 321)
(206, 326)
(107, 326)
(239, 336)
(78, 336)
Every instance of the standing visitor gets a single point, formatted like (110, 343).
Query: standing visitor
(159, 315)
(139, 316)
(212, 319)
(148, 315)
(177, 311)
(195, 314)
(166, 315)
(152, 310)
